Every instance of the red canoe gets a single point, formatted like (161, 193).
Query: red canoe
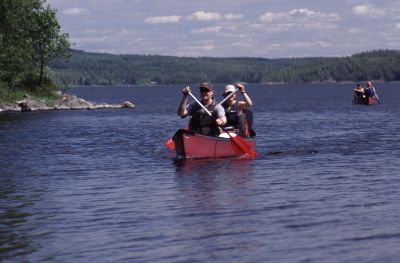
(189, 144)
(366, 100)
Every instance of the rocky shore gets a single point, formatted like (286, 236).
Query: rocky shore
(63, 102)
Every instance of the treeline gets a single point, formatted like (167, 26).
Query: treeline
(84, 68)
(30, 40)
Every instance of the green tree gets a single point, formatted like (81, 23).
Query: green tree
(47, 41)
(15, 46)
(30, 40)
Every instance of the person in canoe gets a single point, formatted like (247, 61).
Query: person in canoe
(238, 115)
(359, 92)
(200, 121)
(370, 90)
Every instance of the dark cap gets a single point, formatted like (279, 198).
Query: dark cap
(206, 85)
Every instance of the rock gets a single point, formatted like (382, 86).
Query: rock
(127, 104)
(30, 104)
(106, 106)
(57, 93)
(9, 107)
(72, 102)
(64, 102)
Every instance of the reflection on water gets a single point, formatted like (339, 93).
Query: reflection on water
(216, 201)
(209, 182)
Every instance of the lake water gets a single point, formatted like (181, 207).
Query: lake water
(100, 186)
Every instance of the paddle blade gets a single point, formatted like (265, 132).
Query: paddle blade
(170, 144)
(244, 146)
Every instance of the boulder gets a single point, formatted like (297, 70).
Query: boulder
(57, 93)
(29, 104)
(72, 102)
(127, 104)
(9, 107)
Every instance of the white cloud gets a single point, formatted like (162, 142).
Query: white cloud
(298, 14)
(127, 33)
(205, 16)
(269, 16)
(356, 30)
(398, 25)
(95, 39)
(204, 48)
(302, 12)
(162, 19)
(207, 30)
(300, 19)
(233, 16)
(300, 45)
(76, 11)
(368, 10)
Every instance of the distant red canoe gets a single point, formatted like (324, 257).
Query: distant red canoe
(366, 100)
(191, 145)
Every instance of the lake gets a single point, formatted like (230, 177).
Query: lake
(100, 185)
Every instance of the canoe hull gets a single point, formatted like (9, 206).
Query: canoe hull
(366, 101)
(191, 145)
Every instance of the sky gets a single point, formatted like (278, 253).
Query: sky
(231, 28)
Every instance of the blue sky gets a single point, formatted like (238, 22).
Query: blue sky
(231, 28)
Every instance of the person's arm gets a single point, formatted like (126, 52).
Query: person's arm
(247, 103)
(182, 108)
(221, 118)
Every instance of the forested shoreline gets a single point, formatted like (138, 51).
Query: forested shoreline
(86, 68)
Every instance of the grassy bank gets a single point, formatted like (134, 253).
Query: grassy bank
(13, 95)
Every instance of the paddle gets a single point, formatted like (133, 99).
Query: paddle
(227, 97)
(170, 143)
(377, 98)
(239, 141)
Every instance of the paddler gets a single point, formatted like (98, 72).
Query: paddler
(200, 121)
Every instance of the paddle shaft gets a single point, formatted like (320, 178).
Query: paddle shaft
(219, 103)
(227, 97)
(201, 104)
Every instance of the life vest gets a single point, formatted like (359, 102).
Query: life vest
(238, 122)
(232, 117)
(203, 123)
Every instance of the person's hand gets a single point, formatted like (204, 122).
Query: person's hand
(241, 88)
(219, 122)
(186, 90)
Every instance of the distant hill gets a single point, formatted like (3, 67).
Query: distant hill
(85, 68)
